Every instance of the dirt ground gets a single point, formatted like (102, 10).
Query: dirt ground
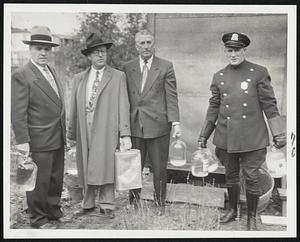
(20, 218)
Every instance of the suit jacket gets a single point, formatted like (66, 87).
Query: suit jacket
(153, 110)
(37, 113)
(240, 96)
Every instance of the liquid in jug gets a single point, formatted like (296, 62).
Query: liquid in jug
(203, 162)
(178, 153)
(276, 162)
(26, 176)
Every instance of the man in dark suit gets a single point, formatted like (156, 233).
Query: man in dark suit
(241, 93)
(38, 121)
(154, 110)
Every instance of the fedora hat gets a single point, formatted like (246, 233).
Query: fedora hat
(94, 41)
(40, 35)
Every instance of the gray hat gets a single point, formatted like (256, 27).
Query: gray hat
(40, 35)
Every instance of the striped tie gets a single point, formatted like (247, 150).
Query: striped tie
(51, 80)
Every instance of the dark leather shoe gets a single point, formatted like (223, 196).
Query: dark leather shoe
(83, 211)
(229, 216)
(107, 213)
(251, 223)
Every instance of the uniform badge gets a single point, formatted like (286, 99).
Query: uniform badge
(235, 37)
(244, 85)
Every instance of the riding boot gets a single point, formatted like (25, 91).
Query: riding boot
(252, 201)
(233, 196)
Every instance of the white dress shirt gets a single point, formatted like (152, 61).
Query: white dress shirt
(41, 69)
(142, 63)
(51, 82)
(90, 82)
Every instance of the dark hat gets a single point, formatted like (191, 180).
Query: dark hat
(93, 41)
(235, 40)
(40, 35)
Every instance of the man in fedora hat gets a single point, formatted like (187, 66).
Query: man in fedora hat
(154, 112)
(241, 94)
(38, 122)
(99, 116)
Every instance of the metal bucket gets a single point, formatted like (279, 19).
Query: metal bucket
(266, 183)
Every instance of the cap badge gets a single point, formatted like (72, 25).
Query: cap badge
(244, 85)
(235, 37)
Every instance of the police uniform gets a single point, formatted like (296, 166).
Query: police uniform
(240, 95)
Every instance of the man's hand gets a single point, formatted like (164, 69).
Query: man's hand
(202, 141)
(125, 143)
(23, 150)
(177, 131)
(279, 141)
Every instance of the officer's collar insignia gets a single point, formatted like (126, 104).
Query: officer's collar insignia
(244, 85)
(235, 37)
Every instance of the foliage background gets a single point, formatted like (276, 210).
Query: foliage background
(118, 28)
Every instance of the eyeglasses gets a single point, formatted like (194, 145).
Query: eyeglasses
(97, 52)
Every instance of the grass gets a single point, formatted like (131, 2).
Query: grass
(178, 216)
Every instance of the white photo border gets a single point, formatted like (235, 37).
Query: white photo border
(290, 10)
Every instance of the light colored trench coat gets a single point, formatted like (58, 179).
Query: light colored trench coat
(111, 120)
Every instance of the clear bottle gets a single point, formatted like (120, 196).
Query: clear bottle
(26, 175)
(203, 162)
(178, 153)
(276, 162)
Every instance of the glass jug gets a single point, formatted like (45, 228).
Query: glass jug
(26, 175)
(276, 162)
(178, 153)
(203, 162)
(71, 158)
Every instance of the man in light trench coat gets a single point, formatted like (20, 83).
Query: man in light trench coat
(99, 116)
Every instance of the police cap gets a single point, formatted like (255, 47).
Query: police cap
(235, 40)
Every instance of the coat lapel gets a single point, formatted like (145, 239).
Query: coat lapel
(82, 92)
(152, 76)
(137, 75)
(44, 85)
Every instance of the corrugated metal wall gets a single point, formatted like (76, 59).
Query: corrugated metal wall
(193, 43)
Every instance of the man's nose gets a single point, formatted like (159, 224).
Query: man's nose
(146, 45)
(43, 52)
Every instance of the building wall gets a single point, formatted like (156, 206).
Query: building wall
(193, 43)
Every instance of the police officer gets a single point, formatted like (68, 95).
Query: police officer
(241, 93)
